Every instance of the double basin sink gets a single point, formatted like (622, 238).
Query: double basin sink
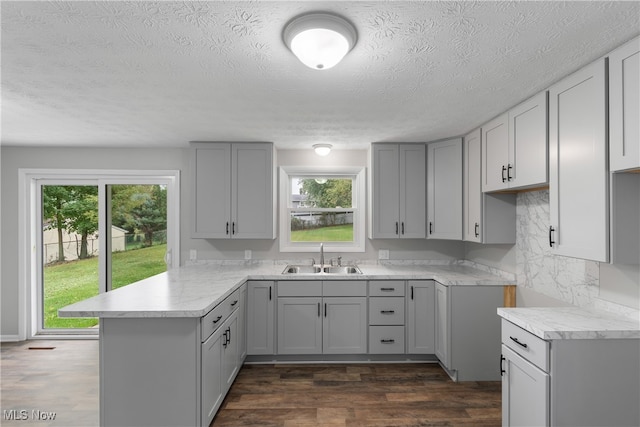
(316, 269)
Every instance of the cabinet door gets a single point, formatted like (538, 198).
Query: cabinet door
(442, 325)
(624, 106)
(472, 188)
(252, 186)
(412, 191)
(578, 181)
(495, 153)
(344, 327)
(230, 351)
(260, 317)
(299, 325)
(420, 317)
(211, 186)
(528, 143)
(242, 326)
(525, 392)
(385, 191)
(444, 190)
(211, 385)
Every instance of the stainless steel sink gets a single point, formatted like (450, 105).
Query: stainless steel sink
(343, 269)
(302, 269)
(315, 269)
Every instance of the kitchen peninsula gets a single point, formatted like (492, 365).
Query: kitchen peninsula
(171, 345)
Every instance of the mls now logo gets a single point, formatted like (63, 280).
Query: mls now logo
(23, 414)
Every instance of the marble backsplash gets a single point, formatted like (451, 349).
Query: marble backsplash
(572, 280)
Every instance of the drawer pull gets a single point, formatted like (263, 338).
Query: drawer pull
(387, 311)
(217, 320)
(515, 340)
(234, 303)
(387, 289)
(391, 341)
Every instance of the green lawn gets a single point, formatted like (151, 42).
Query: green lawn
(336, 233)
(77, 280)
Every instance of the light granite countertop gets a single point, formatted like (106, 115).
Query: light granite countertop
(561, 323)
(193, 290)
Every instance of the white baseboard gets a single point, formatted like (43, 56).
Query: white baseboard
(10, 338)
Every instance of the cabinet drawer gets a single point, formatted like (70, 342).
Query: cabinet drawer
(214, 319)
(344, 288)
(233, 300)
(527, 345)
(300, 288)
(386, 311)
(386, 339)
(386, 288)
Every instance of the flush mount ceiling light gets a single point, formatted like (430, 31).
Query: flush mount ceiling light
(322, 149)
(319, 40)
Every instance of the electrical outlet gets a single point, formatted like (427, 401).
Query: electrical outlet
(193, 255)
(247, 254)
(383, 254)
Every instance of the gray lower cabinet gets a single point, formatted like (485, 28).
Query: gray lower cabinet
(386, 317)
(568, 382)
(322, 317)
(525, 392)
(212, 394)
(300, 325)
(467, 331)
(420, 317)
(170, 371)
(260, 317)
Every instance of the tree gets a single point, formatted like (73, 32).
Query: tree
(54, 197)
(140, 208)
(151, 214)
(329, 193)
(81, 213)
(332, 193)
(73, 208)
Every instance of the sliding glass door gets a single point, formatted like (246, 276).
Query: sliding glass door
(97, 235)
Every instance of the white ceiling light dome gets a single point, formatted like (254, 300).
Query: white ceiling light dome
(322, 149)
(319, 39)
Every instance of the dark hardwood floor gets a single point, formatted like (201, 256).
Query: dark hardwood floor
(357, 395)
(64, 380)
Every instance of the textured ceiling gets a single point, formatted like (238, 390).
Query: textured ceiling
(141, 74)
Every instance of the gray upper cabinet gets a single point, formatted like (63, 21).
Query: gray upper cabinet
(472, 188)
(624, 106)
(487, 217)
(398, 191)
(515, 147)
(233, 191)
(495, 153)
(624, 152)
(444, 189)
(578, 178)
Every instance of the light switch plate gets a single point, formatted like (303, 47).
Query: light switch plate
(383, 254)
(247, 254)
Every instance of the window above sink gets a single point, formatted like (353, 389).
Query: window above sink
(322, 204)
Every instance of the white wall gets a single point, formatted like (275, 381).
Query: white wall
(13, 158)
(399, 249)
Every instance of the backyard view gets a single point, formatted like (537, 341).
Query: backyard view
(322, 210)
(136, 243)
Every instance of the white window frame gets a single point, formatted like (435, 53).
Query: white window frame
(358, 208)
(30, 248)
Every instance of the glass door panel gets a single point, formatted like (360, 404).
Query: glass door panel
(69, 226)
(137, 229)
